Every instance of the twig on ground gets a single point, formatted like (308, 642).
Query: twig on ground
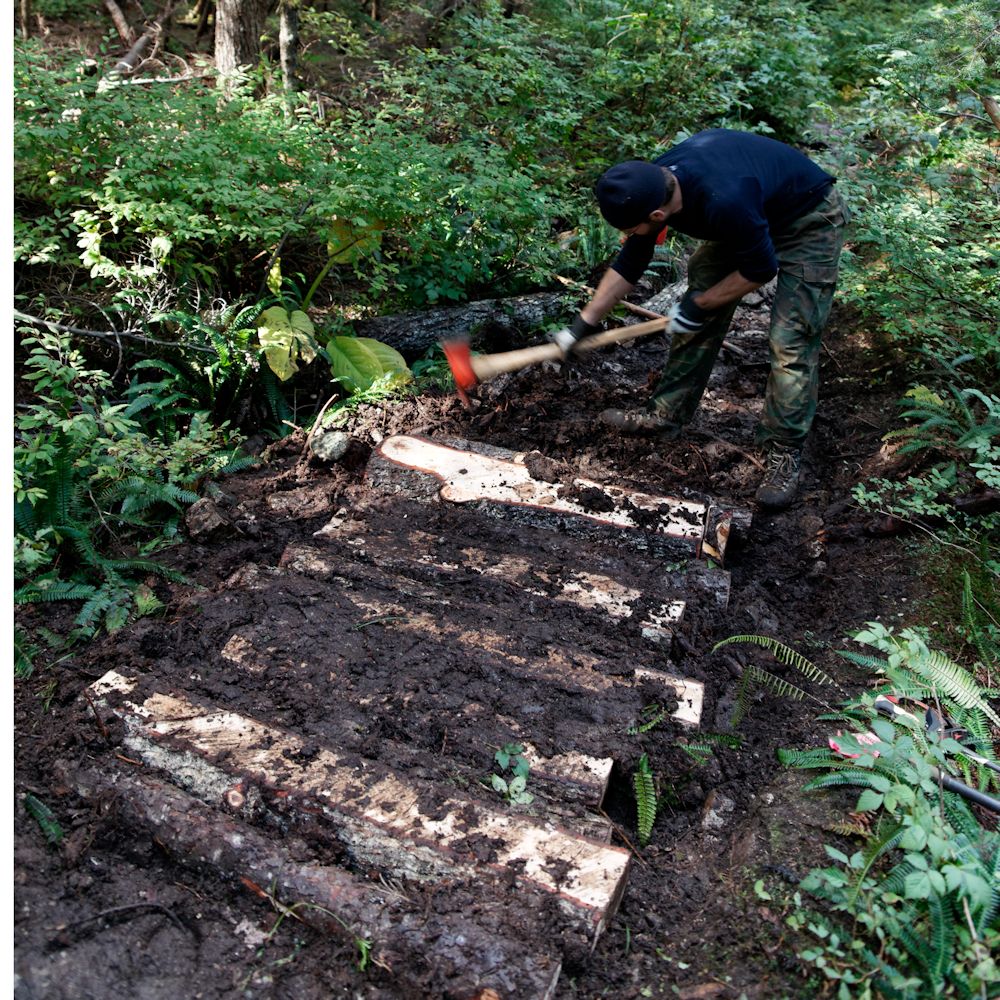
(100, 722)
(621, 833)
(116, 911)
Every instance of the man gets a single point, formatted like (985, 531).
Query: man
(762, 209)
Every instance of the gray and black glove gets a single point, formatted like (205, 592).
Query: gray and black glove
(566, 338)
(687, 317)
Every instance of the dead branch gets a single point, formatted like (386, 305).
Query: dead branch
(992, 109)
(131, 908)
(151, 35)
(124, 29)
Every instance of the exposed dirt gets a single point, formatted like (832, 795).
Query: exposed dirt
(109, 914)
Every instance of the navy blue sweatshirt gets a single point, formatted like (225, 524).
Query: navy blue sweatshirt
(739, 189)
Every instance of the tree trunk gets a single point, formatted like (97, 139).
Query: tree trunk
(288, 41)
(25, 19)
(238, 27)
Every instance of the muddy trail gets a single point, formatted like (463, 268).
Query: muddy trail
(282, 786)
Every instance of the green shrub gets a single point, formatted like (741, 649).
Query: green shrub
(919, 899)
(87, 476)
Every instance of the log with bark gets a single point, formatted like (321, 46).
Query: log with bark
(413, 333)
(454, 954)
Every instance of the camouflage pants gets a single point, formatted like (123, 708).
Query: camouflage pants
(808, 253)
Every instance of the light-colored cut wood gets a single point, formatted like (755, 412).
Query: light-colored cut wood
(470, 475)
(690, 694)
(372, 809)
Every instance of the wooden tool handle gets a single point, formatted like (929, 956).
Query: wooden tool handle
(487, 366)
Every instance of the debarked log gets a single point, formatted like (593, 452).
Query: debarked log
(449, 955)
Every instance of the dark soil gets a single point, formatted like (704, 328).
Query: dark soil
(108, 914)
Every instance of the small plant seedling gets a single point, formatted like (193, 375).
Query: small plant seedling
(45, 818)
(513, 790)
(650, 716)
(644, 783)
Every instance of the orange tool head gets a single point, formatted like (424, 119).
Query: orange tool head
(459, 357)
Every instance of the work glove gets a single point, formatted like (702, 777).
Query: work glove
(566, 338)
(687, 317)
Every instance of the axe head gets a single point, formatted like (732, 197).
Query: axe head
(459, 357)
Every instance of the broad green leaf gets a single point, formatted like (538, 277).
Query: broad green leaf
(274, 277)
(285, 339)
(914, 839)
(499, 785)
(352, 239)
(358, 361)
(869, 801)
(917, 885)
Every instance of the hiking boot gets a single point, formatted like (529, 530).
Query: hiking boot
(640, 422)
(781, 478)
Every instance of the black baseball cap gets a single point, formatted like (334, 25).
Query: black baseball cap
(630, 191)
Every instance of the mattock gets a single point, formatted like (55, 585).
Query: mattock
(469, 370)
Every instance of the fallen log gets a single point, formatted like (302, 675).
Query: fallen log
(376, 814)
(440, 954)
(413, 333)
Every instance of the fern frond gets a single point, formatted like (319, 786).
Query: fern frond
(645, 798)
(895, 881)
(866, 660)
(886, 837)
(854, 777)
(953, 681)
(989, 653)
(24, 518)
(24, 654)
(238, 464)
(61, 485)
(782, 653)
(275, 400)
(776, 684)
(962, 818)
(61, 590)
(145, 566)
(44, 817)
(806, 759)
(916, 946)
(244, 319)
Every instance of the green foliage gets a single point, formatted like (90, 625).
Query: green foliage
(45, 819)
(217, 368)
(86, 474)
(358, 362)
(701, 749)
(443, 174)
(285, 338)
(922, 891)
(645, 798)
(961, 428)
(911, 668)
(925, 268)
(432, 371)
(650, 716)
(755, 677)
(513, 788)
